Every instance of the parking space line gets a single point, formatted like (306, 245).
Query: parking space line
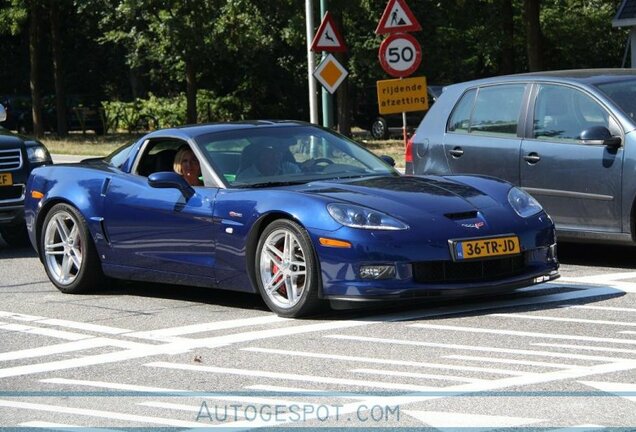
(210, 326)
(603, 308)
(291, 377)
(478, 348)
(55, 349)
(393, 362)
(111, 415)
(65, 427)
(564, 319)
(511, 361)
(58, 334)
(586, 347)
(402, 374)
(523, 334)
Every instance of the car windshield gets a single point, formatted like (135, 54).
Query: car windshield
(271, 156)
(623, 93)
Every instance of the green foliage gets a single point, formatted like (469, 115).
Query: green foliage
(249, 56)
(162, 112)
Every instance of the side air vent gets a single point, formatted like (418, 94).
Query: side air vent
(462, 215)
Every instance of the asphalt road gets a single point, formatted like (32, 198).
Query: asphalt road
(557, 355)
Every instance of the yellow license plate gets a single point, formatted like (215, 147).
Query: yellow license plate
(484, 248)
(6, 179)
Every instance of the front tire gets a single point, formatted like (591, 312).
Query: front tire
(68, 251)
(286, 269)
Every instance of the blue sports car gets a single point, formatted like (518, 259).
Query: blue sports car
(286, 209)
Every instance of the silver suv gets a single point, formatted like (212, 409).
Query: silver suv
(566, 137)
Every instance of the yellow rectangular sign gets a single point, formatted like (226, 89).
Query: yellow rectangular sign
(6, 179)
(402, 95)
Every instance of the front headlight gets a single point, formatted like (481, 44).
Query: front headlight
(522, 203)
(38, 154)
(361, 217)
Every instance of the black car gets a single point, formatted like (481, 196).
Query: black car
(18, 157)
(381, 126)
(82, 114)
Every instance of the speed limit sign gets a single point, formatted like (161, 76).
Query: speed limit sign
(400, 55)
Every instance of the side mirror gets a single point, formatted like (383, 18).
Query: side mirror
(388, 159)
(170, 180)
(3, 114)
(600, 135)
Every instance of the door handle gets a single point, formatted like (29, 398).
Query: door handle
(456, 152)
(532, 158)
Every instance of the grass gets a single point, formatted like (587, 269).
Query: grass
(89, 144)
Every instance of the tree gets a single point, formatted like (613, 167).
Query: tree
(12, 17)
(58, 70)
(534, 36)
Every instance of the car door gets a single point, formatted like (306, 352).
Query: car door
(482, 132)
(159, 229)
(578, 184)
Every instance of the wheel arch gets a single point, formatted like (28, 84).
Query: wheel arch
(252, 242)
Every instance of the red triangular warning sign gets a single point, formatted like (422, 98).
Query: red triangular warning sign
(397, 18)
(328, 37)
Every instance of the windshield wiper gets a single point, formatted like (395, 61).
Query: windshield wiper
(270, 184)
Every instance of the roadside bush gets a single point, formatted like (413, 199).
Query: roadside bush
(161, 112)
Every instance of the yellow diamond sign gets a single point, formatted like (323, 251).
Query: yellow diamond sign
(330, 73)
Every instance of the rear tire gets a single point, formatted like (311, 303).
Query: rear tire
(68, 251)
(380, 129)
(286, 270)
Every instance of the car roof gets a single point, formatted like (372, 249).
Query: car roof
(573, 76)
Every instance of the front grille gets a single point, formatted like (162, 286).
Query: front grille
(468, 271)
(14, 192)
(10, 159)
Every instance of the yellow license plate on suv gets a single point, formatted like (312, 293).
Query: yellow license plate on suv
(485, 247)
(6, 179)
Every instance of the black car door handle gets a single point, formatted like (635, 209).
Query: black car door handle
(532, 158)
(456, 152)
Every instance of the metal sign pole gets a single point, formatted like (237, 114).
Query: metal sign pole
(311, 63)
(327, 100)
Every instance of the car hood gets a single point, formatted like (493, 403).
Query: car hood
(406, 195)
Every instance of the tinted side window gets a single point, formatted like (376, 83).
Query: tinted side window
(460, 119)
(562, 113)
(497, 110)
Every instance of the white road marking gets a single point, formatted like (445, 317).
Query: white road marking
(511, 361)
(65, 427)
(616, 388)
(58, 334)
(524, 334)
(603, 308)
(111, 415)
(564, 319)
(290, 376)
(112, 386)
(476, 348)
(627, 287)
(304, 391)
(587, 348)
(383, 361)
(211, 326)
(65, 348)
(64, 323)
(416, 375)
(450, 421)
(628, 332)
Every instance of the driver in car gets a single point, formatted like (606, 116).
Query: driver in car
(269, 162)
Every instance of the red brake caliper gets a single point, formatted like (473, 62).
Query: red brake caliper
(282, 290)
